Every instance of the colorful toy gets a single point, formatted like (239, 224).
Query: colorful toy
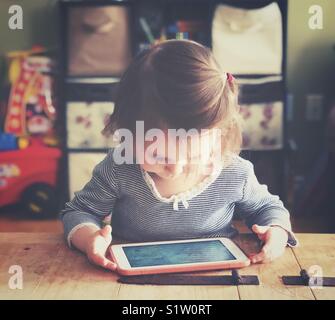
(28, 154)
(30, 107)
(29, 176)
(9, 141)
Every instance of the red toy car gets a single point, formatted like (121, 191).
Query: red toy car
(29, 176)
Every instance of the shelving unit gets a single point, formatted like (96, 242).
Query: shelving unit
(97, 88)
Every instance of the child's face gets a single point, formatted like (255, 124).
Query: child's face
(192, 154)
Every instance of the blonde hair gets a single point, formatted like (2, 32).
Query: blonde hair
(178, 84)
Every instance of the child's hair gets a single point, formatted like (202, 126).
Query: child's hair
(178, 84)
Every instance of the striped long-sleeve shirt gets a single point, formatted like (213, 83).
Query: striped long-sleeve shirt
(140, 213)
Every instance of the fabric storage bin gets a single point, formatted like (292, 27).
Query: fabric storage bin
(81, 166)
(98, 40)
(85, 121)
(261, 101)
(262, 126)
(248, 41)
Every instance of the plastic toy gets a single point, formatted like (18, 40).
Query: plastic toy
(28, 146)
(30, 107)
(29, 176)
(9, 141)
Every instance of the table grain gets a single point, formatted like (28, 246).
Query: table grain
(52, 271)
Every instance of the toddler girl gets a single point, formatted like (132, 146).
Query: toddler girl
(176, 173)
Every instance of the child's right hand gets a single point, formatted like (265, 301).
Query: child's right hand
(96, 248)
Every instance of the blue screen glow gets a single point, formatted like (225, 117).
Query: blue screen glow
(177, 253)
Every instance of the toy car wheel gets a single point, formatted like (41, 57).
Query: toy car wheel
(40, 201)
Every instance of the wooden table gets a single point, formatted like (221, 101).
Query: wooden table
(52, 271)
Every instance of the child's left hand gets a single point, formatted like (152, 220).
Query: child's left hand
(275, 240)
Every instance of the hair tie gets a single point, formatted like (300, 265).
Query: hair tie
(230, 77)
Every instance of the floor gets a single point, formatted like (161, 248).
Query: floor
(12, 220)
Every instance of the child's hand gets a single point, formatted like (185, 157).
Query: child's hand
(97, 246)
(275, 240)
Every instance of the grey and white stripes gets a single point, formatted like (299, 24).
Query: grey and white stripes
(139, 215)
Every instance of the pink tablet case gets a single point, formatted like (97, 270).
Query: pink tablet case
(182, 268)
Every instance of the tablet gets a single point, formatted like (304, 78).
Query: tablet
(178, 256)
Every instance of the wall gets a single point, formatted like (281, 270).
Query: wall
(40, 25)
(310, 70)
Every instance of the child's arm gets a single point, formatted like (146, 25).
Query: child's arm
(266, 215)
(95, 243)
(83, 216)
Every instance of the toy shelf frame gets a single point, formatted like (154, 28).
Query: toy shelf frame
(180, 8)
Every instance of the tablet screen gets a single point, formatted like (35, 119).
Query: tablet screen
(177, 253)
